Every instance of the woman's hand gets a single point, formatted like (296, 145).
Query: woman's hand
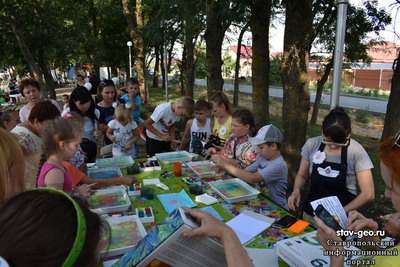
(212, 151)
(294, 200)
(357, 221)
(391, 225)
(97, 134)
(218, 160)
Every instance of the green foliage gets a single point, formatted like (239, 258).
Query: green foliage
(201, 71)
(274, 77)
(362, 116)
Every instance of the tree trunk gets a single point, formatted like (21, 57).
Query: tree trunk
(156, 66)
(295, 80)
(183, 75)
(135, 26)
(260, 20)
(12, 19)
(392, 120)
(189, 47)
(163, 68)
(237, 65)
(214, 36)
(320, 89)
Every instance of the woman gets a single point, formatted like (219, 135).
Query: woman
(238, 150)
(107, 94)
(9, 119)
(334, 162)
(58, 230)
(30, 89)
(29, 137)
(81, 101)
(11, 166)
(389, 154)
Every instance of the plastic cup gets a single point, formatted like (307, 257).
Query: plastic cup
(150, 194)
(195, 189)
(178, 169)
(143, 191)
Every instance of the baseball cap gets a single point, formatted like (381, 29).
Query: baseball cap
(268, 133)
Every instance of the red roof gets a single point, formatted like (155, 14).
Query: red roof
(245, 51)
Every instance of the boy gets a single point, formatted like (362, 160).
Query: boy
(269, 172)
(65, 100)
(133, 98)
(161, 125)
(198, 129)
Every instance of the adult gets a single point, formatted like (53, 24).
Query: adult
(11, 166)
(334, 162)
(30, 89)
(235, 254)
(29, 133)
(80, 80)
(49, 218)
(107, 95)
(9, 119)
(389, 155)
(81, 101)
(95, 82)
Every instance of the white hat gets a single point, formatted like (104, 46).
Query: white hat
(88, 86)
(268, 133)
(115, 80)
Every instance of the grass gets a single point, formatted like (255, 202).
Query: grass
(380, 206)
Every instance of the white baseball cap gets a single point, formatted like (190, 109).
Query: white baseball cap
(268, 133)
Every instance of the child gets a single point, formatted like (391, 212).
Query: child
(222, 111)
(198, 129)
(78, 160)
(65, 100)
(238, 149)
(61, 138)
(133, 98)
(123, 132)
(269, 172)
(161, 125)
(56, 219)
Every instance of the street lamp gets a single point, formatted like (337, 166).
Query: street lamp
(129, 44)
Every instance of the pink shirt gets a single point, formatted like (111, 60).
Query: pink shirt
(67, 187)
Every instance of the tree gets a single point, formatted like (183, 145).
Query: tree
(237, 65)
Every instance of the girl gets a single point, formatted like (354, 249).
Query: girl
(30, 89)
(78, 160)
(60, 142)
(238, 150)
(82, 102)
(57, 223)
(107, 94)
(334, 162)
(222, 111)
(123, 132)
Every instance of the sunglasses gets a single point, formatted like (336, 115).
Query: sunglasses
(336, 144)
(107, 82)
(396, 140)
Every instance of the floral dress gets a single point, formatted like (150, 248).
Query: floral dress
(241, 149)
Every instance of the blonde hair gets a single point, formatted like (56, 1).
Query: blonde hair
(10, 175)
(122, 113)
(58, 130)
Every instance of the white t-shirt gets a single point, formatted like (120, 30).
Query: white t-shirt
(122, 135)
(198, 134)
(357, 159)
(89, 125)
(163, 118)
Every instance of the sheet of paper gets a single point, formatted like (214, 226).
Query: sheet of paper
(334, 207)
(263, 257)
(151, 181)
(249, 224)
(213, 212)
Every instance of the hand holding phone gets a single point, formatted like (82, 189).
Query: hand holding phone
(327, 218)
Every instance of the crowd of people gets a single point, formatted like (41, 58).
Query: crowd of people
(56, 144)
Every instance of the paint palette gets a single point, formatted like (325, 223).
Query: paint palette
(126, 232)
(109, 200)
(151, 165)
(104, 173)
(203, 169)
(121, 162)
(171, 157)
(234, 190)
(145, 215)
(134, 189)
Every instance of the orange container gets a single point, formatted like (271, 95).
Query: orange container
(178, 169)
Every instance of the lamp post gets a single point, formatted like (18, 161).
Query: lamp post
(129, 44)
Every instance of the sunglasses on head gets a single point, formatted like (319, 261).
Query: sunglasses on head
(346, 143)
(396, 140)
(107, 82)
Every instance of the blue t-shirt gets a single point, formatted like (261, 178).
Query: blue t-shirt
(138, 102)
(106, 115)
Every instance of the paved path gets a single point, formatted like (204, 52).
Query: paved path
(346, 101)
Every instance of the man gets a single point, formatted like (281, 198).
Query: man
(95, 82)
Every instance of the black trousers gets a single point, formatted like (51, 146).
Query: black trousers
(154, 146)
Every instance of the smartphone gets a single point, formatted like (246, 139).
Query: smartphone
(327, 218)
(286, 221)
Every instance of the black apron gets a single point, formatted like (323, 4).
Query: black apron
(322, 186)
